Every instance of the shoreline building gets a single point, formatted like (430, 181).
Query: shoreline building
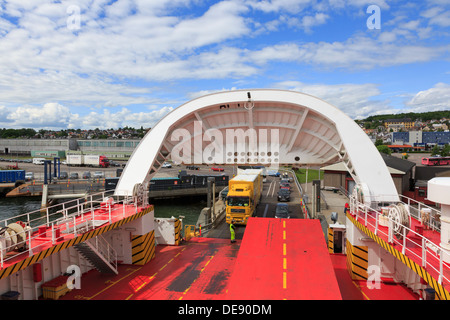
(49, 148)
(396, 124)
(421, 138)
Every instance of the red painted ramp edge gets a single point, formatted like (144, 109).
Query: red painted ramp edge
(283, 259)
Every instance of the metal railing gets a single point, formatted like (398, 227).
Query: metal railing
(432, 255)
(105, 249)
(344, 192)
(428, 215)
(184, 186)
(69, 218)
(67, 187)
(189, 231)
(305, 208)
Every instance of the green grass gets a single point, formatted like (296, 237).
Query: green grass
(312, 175)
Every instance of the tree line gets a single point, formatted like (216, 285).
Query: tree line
(423, 116)
(17, 133)
(27, 133)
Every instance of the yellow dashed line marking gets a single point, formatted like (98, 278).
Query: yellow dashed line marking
(145, 283)
(206, 264)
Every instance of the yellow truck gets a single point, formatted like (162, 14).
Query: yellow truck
(244, 194)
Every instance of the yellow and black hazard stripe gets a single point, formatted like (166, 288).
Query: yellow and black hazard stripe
(357, 261)
(143, 248)
(177, 226)
(330, 240)
(69, 243)
(441, 292)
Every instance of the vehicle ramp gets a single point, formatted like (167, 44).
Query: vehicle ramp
(283, 259)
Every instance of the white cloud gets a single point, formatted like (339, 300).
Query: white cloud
(358, 53)
(305, 22)
(356, 100)
(56, 116)
(125, 49)
(52, 115)
(122, 118)
(293, 6)
(433, 99)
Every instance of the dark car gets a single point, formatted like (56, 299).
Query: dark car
(73, 175)
(284, 195)
(282, 211)
(223, 194)
(86, 175)
(63, 175)
(285, 185)
(114, 163)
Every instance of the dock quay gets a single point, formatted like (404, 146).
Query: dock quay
(59, 189)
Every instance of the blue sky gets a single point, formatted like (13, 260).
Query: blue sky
(109, 64)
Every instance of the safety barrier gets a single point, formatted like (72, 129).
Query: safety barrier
(51, 222)
(410, 245)
(305, 209)
(190, 231)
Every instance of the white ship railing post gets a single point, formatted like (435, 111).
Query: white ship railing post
(30, 248)
(74, 227)
(424, 252)
(48, 218)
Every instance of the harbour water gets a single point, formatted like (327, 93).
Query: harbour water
(189, 207)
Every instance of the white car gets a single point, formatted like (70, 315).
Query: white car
(167, 165)
(98, 175)
(29, 176)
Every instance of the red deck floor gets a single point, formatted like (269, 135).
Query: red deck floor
(359, 290)
(214, 269)
(196, 270)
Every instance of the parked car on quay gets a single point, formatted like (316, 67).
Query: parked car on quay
(73, 175)
(29, 176)
(114, 163)
(99, 175)
(86, 175)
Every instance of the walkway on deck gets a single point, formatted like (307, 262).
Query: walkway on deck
(258, 267)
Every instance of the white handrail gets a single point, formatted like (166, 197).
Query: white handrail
(433, 254)
(63, 213)
(106, 250)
